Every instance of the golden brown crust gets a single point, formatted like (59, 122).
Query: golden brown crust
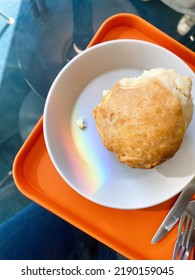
(143, 124)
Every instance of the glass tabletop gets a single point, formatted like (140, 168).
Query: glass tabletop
(45, 36)
(51, 33)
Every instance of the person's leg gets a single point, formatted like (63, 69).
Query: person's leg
(36, 234)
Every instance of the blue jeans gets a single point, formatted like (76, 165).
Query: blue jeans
(36, 234)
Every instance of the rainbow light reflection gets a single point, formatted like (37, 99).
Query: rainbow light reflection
(91, 161)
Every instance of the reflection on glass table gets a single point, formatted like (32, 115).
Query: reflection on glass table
(51, 33)
(56, 34)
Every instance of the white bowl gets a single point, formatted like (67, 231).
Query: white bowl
(79, 155)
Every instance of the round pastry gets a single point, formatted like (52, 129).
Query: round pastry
(143, 120)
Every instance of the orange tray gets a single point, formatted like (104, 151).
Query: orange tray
(129, 232)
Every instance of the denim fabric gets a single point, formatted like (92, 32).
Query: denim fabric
(36, 234)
